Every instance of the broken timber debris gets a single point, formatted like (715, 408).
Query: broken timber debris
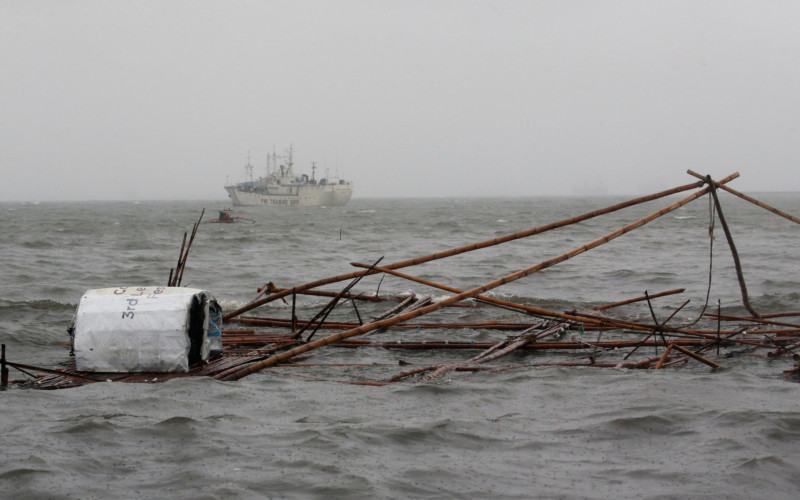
(271, 342)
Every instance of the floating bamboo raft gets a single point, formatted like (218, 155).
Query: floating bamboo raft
(255, 343)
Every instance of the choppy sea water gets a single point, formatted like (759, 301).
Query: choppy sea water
(547, 432)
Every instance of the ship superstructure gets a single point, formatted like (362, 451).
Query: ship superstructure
(282, 188)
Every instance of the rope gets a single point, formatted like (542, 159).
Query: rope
(712, 210)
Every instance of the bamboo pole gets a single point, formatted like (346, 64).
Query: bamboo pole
(336, 365)
(734, 253)
(177, 269)
(664, 357)
(559, 345)
(346, 325)
(545, 228)
(677, 361)
(761, 320)
(642, 363)
(500, 349)
(282, 357)
(573, 316)
(323, 314)
(477, 246)
(588, 364)
(783, 349)
(638, 299)
(483, 298)
(52, 372)
(696, 356)
(324, 293)
(269, 287)
(748, 198)
(780, 315)
(294, 316)
(719, 323)
(341, 325)
(179, 277)
(409, 373)
(3, 368)
(623, 324)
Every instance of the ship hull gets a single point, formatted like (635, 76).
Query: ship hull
(332, 195)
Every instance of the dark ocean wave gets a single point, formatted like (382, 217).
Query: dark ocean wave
(36, 305)
(37, 244)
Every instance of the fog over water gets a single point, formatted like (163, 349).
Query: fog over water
(166, 100)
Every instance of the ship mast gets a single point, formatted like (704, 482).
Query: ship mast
(289, 160)
(248, 169)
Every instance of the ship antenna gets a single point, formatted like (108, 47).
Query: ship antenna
(313, 169)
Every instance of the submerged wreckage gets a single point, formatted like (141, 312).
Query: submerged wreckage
(152, 334)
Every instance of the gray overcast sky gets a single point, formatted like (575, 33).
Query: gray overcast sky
(130, 100)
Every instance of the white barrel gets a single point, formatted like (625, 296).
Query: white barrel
(141, 329)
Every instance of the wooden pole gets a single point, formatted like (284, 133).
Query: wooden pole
(186, 255)
(294, 316)
(664, 357)
(638, 299)
(261, 291)
(545, 228)
(77, 376)
(489, 300)
(500, 349)
(558, 345)
(323, 314)
(735, 254)
(573, 316)
(3, 368)
(696, 356)
(748, 198)
(174, 279)
(642, 363)
(719, 323)
(368, 327)
(346, 325)
(323, 293)
(753, 320)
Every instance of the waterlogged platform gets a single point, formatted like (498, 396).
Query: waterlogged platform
(653, 336)
(236, 355)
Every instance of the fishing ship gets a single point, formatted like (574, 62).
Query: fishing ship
(282, 188)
